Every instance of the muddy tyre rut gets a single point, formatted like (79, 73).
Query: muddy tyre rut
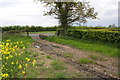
(53, 49)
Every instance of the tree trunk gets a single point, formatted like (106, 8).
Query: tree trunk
(27, 33)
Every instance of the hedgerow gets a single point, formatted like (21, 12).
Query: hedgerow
(93, 35)
(28, 28)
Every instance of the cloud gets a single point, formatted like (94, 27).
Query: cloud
(26, 12)
(9, 3)
(107, 12)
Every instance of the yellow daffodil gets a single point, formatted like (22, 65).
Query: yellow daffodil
(6, 58)
(10, 56)
(23, 47)
(5, 75)
(10, 52)
(20, 66)
(17, 62)
(8, 40)
(27, 59)
(34, 61)
(23, 72)
(26, 65)
(7, 44)
(12, 62)
(3, 66)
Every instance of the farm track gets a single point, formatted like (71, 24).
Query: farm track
(50, 48)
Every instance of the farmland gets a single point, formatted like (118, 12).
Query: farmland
(59, 39)
(59, 56)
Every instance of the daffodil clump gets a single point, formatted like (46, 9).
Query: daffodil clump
(15, 59)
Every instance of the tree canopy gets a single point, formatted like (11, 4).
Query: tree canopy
(69, 12)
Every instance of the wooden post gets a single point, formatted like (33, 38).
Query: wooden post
(27, 32)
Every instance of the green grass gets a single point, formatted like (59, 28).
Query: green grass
(56, 65)
(96, 58)
(0, 66)
(15, 38)
(80, 75)
(104, 48)
(85, 61)
(68, 55)
(0, 70)
(32, 73)
(49, 57)
(35, 54)
(40, 64)
(60, 75)
(46, 72)
(25, 39)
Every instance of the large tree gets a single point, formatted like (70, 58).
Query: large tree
(69, 12)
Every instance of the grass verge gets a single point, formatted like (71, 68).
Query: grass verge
(104, 48)
(17, 57)
(17, 38)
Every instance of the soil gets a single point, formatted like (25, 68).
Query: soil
(105, 68)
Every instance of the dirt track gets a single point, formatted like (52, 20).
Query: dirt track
(107, 68)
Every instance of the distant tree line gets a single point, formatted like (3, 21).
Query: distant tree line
(29, 28)
(54, 28)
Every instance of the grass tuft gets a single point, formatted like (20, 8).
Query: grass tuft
(40, 64)
(60, 75)
(68, 55)
(49, 57)
(58, 65)
(86, 61)
(35, 54)
(96, 58)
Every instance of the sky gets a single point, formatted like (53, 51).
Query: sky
(28, 12)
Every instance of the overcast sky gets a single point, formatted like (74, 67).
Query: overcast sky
(27, 12)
